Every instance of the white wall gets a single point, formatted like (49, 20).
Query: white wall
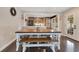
(8, 26)
(75, 13)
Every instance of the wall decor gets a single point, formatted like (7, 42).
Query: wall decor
(13, 11)
(70, 29)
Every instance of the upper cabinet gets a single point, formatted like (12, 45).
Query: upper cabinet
(54, 22)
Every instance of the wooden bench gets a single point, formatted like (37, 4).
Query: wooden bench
(35, 40)
(47, 43)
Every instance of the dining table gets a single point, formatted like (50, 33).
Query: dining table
(38, 32)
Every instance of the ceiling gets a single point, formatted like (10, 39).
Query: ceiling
(43, 11)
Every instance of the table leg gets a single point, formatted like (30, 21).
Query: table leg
(53, 44)
(17, 46)
(17, 42)
(59, 41)
(53, 48)
(24, 47)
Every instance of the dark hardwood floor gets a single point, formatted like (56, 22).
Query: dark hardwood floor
(67, 45)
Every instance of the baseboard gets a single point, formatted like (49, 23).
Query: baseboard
(6, 45)
(71, 38)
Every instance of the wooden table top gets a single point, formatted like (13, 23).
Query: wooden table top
(36, 31)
